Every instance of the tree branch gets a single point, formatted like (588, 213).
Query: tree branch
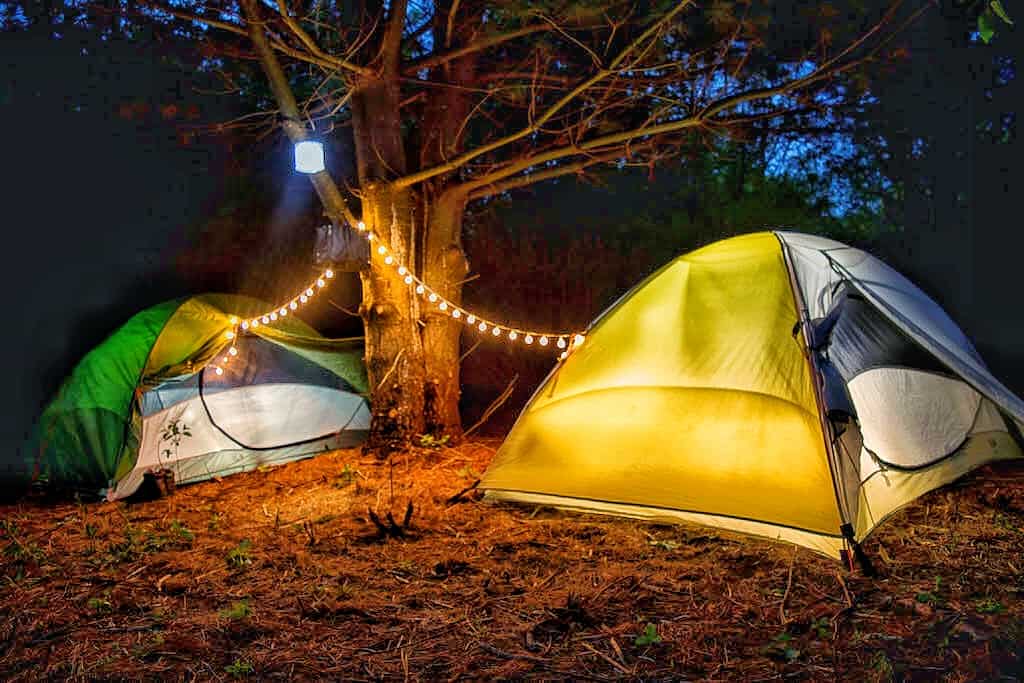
(325, 186)
(550, 112)
(557, 171)
(312, 46)
(478, 46)
(391, 48)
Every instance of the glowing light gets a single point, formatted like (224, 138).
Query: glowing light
(456, 314)
(293, 305)
(432, 298)
(443, 305)
(513, 335)
(229, 335)
(233, 351)
(578, 339)
(361, 225)
(419, 289)
(382, 250)
(482, 327)
(320, 282)
(283, 312)
(496, 331)
(303, 299)
(561, 342)
(219, 371)
(309, 292)
(470, 318)
(328, 273)
(402, 270)
(273, 316)
(309, 156)
(408, 279)
(245, 324)
(265, 320)
(388, 260)
(233, 320)
(543, 341)
(528, 339)
(255, 323)
(562, 355)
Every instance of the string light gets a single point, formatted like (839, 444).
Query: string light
(568, 342)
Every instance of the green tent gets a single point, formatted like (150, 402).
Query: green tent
(169, 390)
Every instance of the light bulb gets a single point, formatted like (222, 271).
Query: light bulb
(369, 236)
(482, 327)
(273, 316)
(419, 289)
(432, 298)
(382, 250)
(388, 260)
(562, 355)
(578, 339)
(402, 270)
(561, 342)
(320, 282)
(471, 319)
(233, 320)
(303, 298)
(245, 324)
(361, 225)
(309, 292)
(443, 305)
(293, 305)
(229, 335)
(496, 331)
(528, 339)
(512, 335)
(283, 312)
(328, 273)
(265, 320)
(255, 323)
(543, 341)
(456, 314)
(408, 279)
(233, 351)
(219, 371)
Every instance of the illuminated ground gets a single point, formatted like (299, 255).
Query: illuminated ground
(281, 575)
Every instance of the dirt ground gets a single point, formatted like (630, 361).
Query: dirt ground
(282, 574)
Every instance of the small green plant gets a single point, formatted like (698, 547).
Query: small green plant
(346, 477)
(181, 533)
(663, 544)
(781, 648)
(239, 668)
(239, 557)
(238, 610)
(100, 605)
(882, 665)
(822, 627)
(989, 606)
(927, 598)
(91, 531)
(648, 637)
(215, 520)
(431, 441)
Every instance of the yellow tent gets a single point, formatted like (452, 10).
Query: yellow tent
(776, 384)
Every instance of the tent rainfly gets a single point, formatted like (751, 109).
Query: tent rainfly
(776, 384)
(149, 397)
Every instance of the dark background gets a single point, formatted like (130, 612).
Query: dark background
(117, 196)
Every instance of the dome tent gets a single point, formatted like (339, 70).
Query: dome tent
(150, 397)
(777, 384)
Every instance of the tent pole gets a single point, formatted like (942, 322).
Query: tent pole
(858, 552)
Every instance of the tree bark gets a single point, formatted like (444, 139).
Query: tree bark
(444, 267)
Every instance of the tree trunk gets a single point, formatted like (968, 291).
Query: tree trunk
(394, 350)
(444, 268)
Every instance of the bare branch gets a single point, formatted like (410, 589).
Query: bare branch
(478, 46)
(312, 46)
(600, 75)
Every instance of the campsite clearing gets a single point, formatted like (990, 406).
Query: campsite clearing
(281, 574)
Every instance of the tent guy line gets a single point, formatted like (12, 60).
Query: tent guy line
(566, 341)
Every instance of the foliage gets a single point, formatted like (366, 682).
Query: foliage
(240, 668)
(238, 610)
(239, 556)
(648, 637)
(434, 442)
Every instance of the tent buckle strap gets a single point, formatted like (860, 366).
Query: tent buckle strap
(858, 552)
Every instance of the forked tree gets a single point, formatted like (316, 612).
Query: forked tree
(456, 101)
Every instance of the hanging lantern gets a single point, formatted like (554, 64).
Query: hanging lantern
(309, 156)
